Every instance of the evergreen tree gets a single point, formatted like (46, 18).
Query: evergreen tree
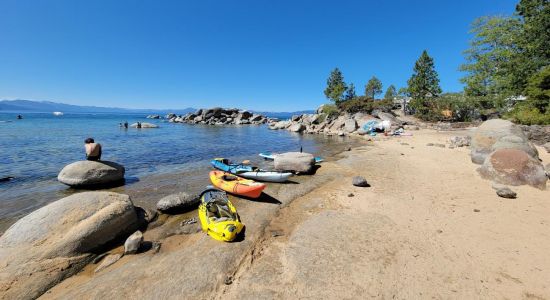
(350, 92)
(373, 87)
(424, 87)
(424, 81)
(391, 93)
(335, 86)
(488, 64)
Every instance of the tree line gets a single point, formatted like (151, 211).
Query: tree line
(507, 74)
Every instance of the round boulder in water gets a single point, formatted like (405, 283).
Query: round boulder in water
(91, 173)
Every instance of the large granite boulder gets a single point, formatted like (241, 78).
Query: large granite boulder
(297, 127)
(350, 125)
(180, 202)
(294, 161)
(513, 167)
(516, 142)
(91, 173)
(57, 240)
(490, 132)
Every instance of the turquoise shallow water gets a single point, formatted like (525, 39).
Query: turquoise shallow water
(33, 151)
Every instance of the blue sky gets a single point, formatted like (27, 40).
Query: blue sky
(261, 54)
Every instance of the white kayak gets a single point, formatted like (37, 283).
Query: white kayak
(267, 176)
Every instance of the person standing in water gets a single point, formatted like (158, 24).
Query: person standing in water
(93, 149)
(126, 124)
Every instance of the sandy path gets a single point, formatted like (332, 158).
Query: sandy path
(413, 234)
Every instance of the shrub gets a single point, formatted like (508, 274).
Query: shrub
(523, 113)
(365, 105)
(330, 110)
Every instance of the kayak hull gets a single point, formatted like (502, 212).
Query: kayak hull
(238, 185)
(267, 176)
(226, 229)
(250, 172)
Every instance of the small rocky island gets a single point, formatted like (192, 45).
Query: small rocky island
(219, 116)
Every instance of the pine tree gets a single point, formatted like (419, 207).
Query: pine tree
(424, 87)
(424, 82)
(335, 86)
(350, 92)
(373, 87)
(391, 93)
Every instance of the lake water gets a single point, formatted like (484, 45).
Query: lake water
(174, 157)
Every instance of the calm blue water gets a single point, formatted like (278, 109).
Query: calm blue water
(33, 150)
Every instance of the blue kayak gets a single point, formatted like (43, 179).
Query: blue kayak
(223, 164)
(271, 156)
(250, 172)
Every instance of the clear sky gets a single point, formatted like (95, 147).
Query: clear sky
(257, 54)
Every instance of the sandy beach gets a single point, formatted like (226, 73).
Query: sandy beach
(427, 227)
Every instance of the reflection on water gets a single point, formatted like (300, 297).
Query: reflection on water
(157, 161)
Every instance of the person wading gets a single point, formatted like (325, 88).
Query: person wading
(93, 149)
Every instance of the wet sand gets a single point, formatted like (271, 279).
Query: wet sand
(428, 227)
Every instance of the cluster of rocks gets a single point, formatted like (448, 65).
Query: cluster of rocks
(219, 116)
(346, 124)
(153, 117)
(59, 239)
(506, 155)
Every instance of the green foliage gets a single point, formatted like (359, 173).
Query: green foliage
(527, 115)
(424, 82)
(506, 51)
(365, 104)
(330, 110)
(350, 92)
(373, 87)
(538, 90)
(488, 59)
(536, 109)
(335, 86)
(390, 93)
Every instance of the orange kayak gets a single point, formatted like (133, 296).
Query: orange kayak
(236, 185)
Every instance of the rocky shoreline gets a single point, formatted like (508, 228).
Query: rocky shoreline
(217, 116)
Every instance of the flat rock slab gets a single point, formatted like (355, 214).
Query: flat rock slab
(57, 240)
(91, 173)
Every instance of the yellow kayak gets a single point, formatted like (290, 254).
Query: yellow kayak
(218, 217)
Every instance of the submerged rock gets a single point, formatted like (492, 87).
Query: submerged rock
(513, 167)
(57, 240)
(145, 125)
(91, 173)
(294, 161)
(180, 201)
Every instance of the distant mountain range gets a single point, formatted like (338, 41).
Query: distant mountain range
(48, 106)
(21, 106)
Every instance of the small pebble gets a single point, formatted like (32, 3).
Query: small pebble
(351, 195)
(156, 247)
(276, 233)
(189, 221)
(228, 280)
(476, 210)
